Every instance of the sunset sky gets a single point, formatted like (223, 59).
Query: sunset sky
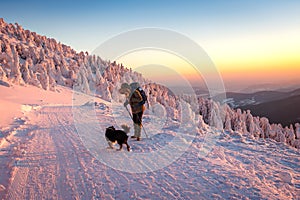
(250, 42)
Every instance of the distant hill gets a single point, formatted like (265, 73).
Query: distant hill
(277, 106)
(285, 111)
(295, 92)
(281, 87)
(243, 99)
(236, 100)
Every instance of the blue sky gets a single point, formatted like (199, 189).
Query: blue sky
(83, 24)
(259, 38)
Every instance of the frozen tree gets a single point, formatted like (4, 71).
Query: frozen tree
(188, 116)
(272, 131)
(15, 73)
(25, 72)
(265, 126)
(280, 136)
(227, 124)
(215, 119)
(289, 135)
(297, 125)
(250, 126)
(29, 58)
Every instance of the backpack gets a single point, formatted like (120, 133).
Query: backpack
(143, 94)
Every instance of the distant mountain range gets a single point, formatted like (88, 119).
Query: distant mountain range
(277, 106)
(235, 99)
(285, 111)
(280, 87)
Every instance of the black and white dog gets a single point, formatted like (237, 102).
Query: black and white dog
(120, 136)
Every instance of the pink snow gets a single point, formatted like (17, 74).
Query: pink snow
(45, 158)
(52, 141)
(17, 100)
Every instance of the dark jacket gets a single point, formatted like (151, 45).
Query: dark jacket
(135, 102)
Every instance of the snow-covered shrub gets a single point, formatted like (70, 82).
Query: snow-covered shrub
(29, 58)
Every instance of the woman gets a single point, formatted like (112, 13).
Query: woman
(136, 102)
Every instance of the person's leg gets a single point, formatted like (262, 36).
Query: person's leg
(137, 120)
(137, 131)
(135, 123)
(140, 116)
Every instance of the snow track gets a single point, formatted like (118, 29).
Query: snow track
(52, 163)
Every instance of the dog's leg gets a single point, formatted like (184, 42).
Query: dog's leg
(120, 147)
(110, 144)
(128, 147)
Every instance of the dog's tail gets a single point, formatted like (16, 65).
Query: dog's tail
(125, 128)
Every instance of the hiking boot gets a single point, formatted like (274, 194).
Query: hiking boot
(138, 139)
(133, 136)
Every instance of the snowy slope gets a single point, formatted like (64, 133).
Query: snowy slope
(52, 142)
(47, 157)
(29, 58)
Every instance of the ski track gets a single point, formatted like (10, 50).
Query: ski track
(52, 163)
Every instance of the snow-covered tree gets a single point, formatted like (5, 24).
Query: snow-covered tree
(29, 58)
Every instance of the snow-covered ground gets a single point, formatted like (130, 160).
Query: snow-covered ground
(55, 149)
(17, 100)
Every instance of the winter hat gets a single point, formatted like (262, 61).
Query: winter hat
(125, 88)
(134, 85)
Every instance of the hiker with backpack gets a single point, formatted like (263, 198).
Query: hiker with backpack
(136, 98)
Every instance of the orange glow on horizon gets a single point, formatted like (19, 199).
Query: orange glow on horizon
(248, 68)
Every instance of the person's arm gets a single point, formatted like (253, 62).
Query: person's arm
(126, 103)
(136, 97)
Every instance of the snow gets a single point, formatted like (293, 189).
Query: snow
(56, 104)
(46, 156)
(16, 100)
(30, 59)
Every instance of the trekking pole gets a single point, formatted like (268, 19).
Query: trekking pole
(144, 129)
(129, 113)
(139, 121)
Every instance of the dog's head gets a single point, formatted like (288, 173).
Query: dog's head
(111, 128)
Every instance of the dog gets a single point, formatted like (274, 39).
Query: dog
(120, 136)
